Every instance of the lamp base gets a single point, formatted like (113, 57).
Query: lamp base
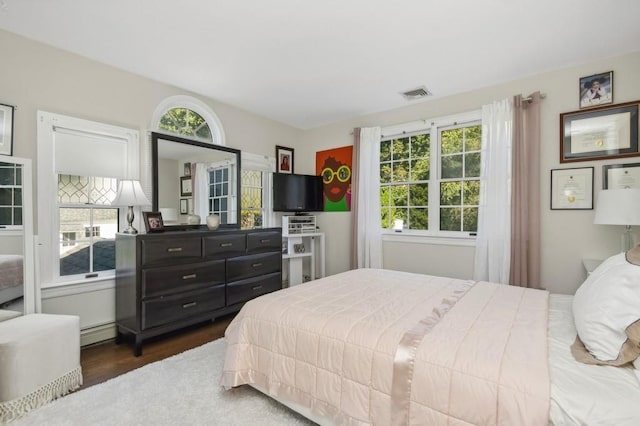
(130, 229)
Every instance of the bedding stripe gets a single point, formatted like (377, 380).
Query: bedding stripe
(405, 355)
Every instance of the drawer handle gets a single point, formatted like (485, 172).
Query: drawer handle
(226, 244)
(189, 305)
(188, 277)
(265, 241)
(258, 287)
(174, 249)
(257, 265)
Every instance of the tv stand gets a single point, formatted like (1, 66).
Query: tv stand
(300, 237)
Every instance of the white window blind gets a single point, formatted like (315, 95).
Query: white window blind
(89, 154)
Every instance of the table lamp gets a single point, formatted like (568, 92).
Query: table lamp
(169, 215)
(619, 207)
(130, 194)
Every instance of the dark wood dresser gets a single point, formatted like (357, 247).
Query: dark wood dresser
(169, 280)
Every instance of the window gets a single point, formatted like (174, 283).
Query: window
(10, 196)
(255, 194)
(185, 122)
(79, 165)
(84, 208)
(219, 192)
(251, 202)
(188, 117)
(430, 176)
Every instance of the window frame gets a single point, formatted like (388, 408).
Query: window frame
(433, 127)
(266, 166)
(49, 237)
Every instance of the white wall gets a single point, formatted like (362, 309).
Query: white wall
(36, 77)
(567, 236)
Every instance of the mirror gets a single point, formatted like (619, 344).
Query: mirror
(194, 179)
(17, 285)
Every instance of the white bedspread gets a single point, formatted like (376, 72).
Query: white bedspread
(465, 353)
(586, 394)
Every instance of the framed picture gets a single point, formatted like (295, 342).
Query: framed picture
(284, 157)
(596, 90)
(187, 169)
(184, 206)
(572, 189)
(186, 189)
(153, 221)
(620, 176)
(599, 133)
(6, 129)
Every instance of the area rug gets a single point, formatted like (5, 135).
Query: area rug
(181, 390)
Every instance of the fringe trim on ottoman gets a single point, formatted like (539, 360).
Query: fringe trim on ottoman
(61, 386)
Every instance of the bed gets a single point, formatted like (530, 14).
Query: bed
(11, 272)
(386, 347)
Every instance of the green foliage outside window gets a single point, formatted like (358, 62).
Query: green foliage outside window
(405, 174)
(185, 122)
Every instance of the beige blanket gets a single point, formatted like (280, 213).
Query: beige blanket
(386, 347)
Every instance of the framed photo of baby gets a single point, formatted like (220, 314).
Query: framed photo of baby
(596, 90)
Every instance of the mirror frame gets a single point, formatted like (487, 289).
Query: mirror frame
(31, 291)
(154, 168)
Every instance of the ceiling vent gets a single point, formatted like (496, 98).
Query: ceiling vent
(419, 93)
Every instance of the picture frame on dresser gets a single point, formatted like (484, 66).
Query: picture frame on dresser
(153, 221)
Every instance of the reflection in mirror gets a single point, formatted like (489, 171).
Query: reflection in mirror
(17, 290)
(192, 180)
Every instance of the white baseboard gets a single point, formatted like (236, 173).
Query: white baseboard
(97, 334)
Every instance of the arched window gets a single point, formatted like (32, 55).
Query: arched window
(188, 117)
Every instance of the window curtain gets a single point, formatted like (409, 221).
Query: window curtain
(365, 186)
(493, 242)
(200, 187)
(525, 214)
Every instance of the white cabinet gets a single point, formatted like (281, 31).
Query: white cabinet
(303, 249)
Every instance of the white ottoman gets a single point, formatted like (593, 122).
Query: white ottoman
(39, 361)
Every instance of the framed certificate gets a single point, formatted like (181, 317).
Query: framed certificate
(572, 189)
(599, 133)
(620, 176)
(185, 186)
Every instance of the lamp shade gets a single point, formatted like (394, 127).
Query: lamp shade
(618, 207)
(130, 194)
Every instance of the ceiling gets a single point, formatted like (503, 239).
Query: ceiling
(311, 63)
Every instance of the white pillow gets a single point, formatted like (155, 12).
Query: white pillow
(606, 311)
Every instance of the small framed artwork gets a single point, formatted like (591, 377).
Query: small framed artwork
(599, 133)
(621, 176)
(186, 190)
(596, 90)
(153, 221)
(284, 157)
(184, 206)
(572, 189)
(187, 169)
(6, 129)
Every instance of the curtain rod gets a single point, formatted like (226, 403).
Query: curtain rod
(524, 99)
(530, 98)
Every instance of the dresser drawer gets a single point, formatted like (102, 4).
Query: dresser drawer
(167, 309)
(225, 245)
(242, 291)
(180, 278)
(264, 241)
(170, 250)
(239, 268)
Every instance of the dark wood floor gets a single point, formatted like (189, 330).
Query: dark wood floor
(103, 361)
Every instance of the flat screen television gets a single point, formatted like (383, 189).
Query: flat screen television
(297, 193)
